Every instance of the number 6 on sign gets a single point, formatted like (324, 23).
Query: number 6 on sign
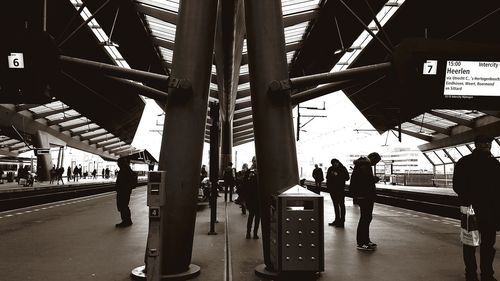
(16, 60)
(430, 67)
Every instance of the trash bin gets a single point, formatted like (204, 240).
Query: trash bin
(297, 238)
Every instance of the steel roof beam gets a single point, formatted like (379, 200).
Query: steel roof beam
(23, 107)
(294, 19)
(160, 14)
(458, 120)
(71, 127)
(93, 136)
(84, 131)
(416, 135)
(49, 113)
(113, 70)
(66, 119)
(107, 142)
(444, 131)
(105, 139)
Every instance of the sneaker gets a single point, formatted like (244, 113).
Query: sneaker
(333, 223)
(123, 224)
(365, 247)
(248, 236)
(255, 236)
(371, 244)
(339, 224)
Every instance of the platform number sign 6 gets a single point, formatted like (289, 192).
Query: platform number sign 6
(430, 67)
(16, 60)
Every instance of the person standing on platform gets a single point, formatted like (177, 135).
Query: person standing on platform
(60, 172)
(68, 173)
(94, 174)
(363, 189)
(75, 174)
(318, 178)
(336, 176)
(125, 182)
(229, 179)
(53, 174)
(241, 188)
(252, 200)
(476, 180)
(102, 173)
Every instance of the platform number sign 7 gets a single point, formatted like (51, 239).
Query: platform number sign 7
(430, 67)
(16, 60)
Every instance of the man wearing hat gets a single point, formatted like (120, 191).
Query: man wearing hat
(476, 180)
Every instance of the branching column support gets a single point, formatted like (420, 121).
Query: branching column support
(184, 128)
(272, 112)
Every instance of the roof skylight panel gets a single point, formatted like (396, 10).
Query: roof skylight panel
(164, 4)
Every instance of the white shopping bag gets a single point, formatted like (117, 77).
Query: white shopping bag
(469, 233)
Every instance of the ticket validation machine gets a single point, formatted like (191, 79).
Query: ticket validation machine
(297, 231)
(155, 202)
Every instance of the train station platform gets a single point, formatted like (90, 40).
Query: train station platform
(45, 185)
(76, 240)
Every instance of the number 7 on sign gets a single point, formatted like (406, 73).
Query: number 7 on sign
(430, 67)
(16, 60)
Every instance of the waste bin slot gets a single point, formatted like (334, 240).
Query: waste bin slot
(299, 205)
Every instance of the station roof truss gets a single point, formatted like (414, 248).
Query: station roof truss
(321, 36)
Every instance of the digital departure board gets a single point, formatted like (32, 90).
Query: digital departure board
(466, 79)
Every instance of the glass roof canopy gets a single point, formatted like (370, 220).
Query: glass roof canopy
(165, 31)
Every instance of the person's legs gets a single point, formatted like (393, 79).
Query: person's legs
(256, 225)
(231, 188)
(251, 215)
(487, 253)
(122, 201)
(470, 262)
(342, 208)
(226, 186)
(363, 231)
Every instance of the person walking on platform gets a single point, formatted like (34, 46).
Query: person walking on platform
(363, 189)
(476, 180)
(125, 182)
(68, 173)
(252, 200)
(229, 179)
(60, 172)
(318, 178)
(336, 176)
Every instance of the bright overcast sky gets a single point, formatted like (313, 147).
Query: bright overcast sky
(321, 139)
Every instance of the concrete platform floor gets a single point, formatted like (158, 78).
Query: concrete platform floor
(76, 240)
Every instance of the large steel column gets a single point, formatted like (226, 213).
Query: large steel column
(226, 144)
(272, 113)
(183, 132)
(44, 161)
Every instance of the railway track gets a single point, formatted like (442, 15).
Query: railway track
(20, 199)
(437, 204)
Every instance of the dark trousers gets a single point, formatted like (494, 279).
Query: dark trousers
(230, 188)
(122, 200)
(317, 185)
(487, 254)
(339, 206)
(366, 210)
(251, 215)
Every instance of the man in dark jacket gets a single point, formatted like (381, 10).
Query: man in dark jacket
(362, 187)
(336, 176)
(125, 182)
(318, 178)
(476, 180)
